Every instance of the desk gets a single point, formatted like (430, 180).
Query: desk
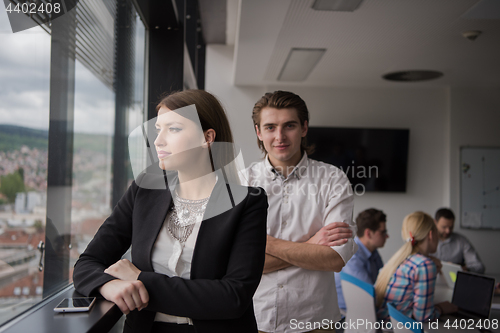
(442, 293)
(43, 319)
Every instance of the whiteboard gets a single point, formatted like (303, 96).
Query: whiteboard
(480, 187)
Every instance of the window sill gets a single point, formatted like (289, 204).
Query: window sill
(101, 318)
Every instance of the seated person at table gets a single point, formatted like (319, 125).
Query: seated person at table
(454, 247)
(366, 262)
(409, 277)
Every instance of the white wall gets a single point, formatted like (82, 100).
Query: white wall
(237, 101)
(475, 121)
(420, 110)
(425, 111)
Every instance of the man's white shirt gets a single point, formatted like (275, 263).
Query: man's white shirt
(313, 195)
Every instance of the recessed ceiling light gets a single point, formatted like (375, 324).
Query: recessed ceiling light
(412, 76)
(300, 63)
(472, 35)
(337, 5)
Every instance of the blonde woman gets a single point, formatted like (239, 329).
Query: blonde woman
(409, 277)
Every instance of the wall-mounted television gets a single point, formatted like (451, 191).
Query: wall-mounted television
(374, 159)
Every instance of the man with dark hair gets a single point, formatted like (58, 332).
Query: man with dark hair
(306, 242)
(365, 264)
(454, 247)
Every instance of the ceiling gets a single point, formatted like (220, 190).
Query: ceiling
(213, 15)
(381, 36)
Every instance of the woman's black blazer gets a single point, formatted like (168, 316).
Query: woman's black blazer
(227, 262)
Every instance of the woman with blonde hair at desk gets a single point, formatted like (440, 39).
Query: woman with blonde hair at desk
(198, 238)
(409, 277)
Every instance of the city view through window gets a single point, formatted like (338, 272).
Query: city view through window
(24, 120)
(25, 60)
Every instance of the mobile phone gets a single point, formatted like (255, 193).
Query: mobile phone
(75, 304)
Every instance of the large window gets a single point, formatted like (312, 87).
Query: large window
(94, 119)
(71, 91)
(64, 118)
(94, 131)
(24, 122)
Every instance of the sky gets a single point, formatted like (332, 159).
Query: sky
(25, 79)
(24, 75)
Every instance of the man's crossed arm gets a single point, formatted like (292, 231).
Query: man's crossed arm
(315, 254)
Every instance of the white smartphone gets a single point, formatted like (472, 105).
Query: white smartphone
(76, 304)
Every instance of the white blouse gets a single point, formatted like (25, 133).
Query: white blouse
(172, 258)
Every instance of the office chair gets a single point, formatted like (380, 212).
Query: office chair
(402, 323)
(360, 303)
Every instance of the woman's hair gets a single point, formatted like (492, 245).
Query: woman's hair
(212, 116)
(282, 100)
(418, 224)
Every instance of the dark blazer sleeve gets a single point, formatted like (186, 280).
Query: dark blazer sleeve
(111, 241)
(230, 295)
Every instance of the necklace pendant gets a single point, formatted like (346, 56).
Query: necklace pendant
(185, 213)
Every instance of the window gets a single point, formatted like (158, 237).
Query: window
(65, 113)
(72, 91)
(24, 122)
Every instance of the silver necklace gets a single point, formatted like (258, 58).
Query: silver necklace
(184, 215)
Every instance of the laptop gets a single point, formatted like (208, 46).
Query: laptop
(449, 274)
(473, 294)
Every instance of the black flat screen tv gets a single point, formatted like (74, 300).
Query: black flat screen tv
(373, 159)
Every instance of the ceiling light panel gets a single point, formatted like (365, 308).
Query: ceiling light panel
(337, 5)
(300, 63)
